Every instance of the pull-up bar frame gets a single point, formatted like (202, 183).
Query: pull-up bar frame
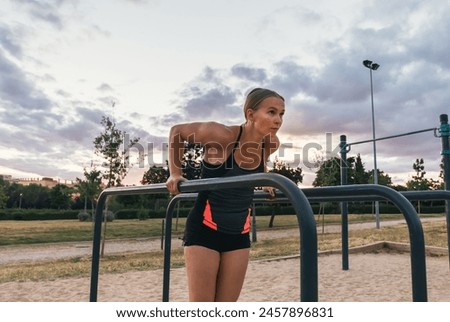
(347, 193)
(442, 132)
(305, 216)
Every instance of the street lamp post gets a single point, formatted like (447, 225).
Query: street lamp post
(20, 200)
(374, 66)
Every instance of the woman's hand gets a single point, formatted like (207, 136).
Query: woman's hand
(172, 184)
(271, 192)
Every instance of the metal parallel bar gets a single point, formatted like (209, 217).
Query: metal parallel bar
(168, 232)
(305, 216)
(344, 204)
(168, 240)
(314, 194)
(427, 195)
(392, 136)
(410, 195)
(261, 197)
(444, 131)
(253, 225)
(416, 236)
(155, 188)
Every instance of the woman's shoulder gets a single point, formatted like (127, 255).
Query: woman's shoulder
(221, 133)
(210, 132)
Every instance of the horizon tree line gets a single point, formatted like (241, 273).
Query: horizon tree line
(114, 169)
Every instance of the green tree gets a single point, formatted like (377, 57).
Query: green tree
(34, 196)
(281, 167)
(383, 178)
(3, 196)
(361, 176)
(90, 187)
(13, 192)
(156, 174)
(191, 166)
(61, 196)
(419, 167)
(329, 172)
(418, 181)
(399, 187)
(440, 184)
(107, 145)
(192, 161)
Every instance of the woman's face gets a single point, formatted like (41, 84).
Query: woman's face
(267, 119)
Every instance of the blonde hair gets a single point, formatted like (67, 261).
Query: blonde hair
(256, 96)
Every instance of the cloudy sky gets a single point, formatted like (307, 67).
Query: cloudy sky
(149, 64)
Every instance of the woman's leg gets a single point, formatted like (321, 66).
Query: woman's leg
(202, 266)
(231, 274)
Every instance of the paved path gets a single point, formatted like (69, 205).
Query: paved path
(54, 251)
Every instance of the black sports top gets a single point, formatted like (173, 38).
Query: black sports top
(226, 210)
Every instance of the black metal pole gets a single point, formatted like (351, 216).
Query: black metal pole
(254, 233)
(344, 204)
(168, 248)
(416, 236)
(162, 235)
(375, 166)
(156, 188)
(96, 247)
(445, 137)
(305, 217)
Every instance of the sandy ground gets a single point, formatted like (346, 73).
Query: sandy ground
(373, 276)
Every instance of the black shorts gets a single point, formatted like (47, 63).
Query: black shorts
(201, 235)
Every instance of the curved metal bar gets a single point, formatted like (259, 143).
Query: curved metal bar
(393, 136)
(365, 194)
(168, 240)
(168, 232)
(427, 195)
(410, 195)
(305, 216)
(417, 241)
(320, 197)
(139, 190)
(338, 193)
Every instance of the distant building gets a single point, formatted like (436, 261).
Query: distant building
(45, 181)
(6, 177)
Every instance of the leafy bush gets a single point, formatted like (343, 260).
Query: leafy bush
(37, 214)
(109, 215)
(84, 216)
(143, 214)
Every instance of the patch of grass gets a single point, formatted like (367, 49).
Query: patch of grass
(58, 231)
(435, 235)
(81, 266)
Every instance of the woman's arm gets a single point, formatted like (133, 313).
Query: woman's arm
(202, 133)
(271, 145)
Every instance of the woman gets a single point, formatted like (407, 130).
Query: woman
(216, 240)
